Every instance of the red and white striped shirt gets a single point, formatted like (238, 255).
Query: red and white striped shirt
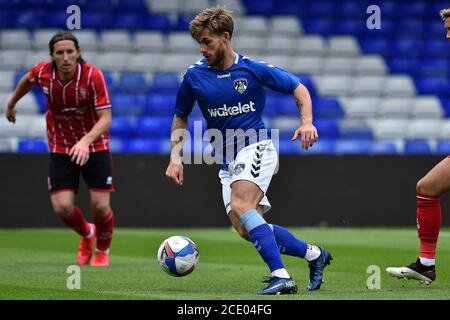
(72, 105)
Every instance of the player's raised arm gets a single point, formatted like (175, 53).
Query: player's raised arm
(23, 87)
(178, 136)
(306, 131)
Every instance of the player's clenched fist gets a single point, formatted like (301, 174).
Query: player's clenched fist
(174, 173)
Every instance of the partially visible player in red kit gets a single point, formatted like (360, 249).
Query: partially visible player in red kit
(429, 189)
(78, 117)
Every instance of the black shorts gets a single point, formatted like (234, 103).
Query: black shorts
(65, 174)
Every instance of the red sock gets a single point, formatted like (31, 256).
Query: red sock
(78, 223)
(104, 227)
(428, 224)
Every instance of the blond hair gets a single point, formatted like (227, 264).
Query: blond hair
(445, 13)
(218, 20)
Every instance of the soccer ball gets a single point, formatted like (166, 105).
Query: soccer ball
(178, 256)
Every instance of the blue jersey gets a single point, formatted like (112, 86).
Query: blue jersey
(233, 98)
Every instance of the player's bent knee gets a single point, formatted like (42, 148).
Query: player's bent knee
(423, 187)
(64, 210)
(100, 208)
(239, 206)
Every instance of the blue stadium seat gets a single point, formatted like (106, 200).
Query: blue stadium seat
(182, 23)
(327, 108)
(56, 19)
(165, 83)
(30, 19)
(135, 6)
(63, 4)
(308, 83)
(435, 26)
(132, 83)
(117, 145)
(160, 104)
(357, 133)
(110, 81)
(33, 4)
(286, 146)
(128, 20)
(320, 9)
(267, 7)
(327, 128)
(443, 147)
(323, 146)
(123, 126)
(446, 105)
(33, 146)
(353, 10)
(407, 47)
(147, 146)
(410, 27)
(96, 20)
(436, 48)
(41, 99)
(433, 67)
(159, 22)
(18, 76)
(369, 44)
(99, 5)
(417, 147)
(323, 27)
(352, 27)
(383, 147)
(286, 105)
(403, 65)
(413, 9)
(154, 127)
(388, 8)
(5, 18)
(7, 4)
(431, 85)
(128, 104)
(276, 106)
(353, 146)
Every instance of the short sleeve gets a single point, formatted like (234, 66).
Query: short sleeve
(36, 71)
(185, 98)
(278, 79)
(99, 90)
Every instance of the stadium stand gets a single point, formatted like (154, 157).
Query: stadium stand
(376, 91)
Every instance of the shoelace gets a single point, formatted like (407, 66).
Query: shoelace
(266, 279)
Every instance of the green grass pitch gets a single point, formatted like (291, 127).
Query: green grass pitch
(33, 265)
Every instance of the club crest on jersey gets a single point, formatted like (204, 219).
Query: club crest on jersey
(240, 85)
(83, 93)
(238, 168)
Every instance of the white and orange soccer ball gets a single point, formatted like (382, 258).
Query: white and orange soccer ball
(178, 256)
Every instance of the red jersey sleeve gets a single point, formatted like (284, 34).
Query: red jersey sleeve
(99, 90)
(36, 72)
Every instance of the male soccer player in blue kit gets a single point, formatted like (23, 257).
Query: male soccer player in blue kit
(230, 90)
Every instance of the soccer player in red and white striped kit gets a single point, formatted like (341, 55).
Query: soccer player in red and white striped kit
(78, 117)
(429, 189)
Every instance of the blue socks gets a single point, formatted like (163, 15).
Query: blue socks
(263, 239)
(288, 243)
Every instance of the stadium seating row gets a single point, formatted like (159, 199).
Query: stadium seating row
(158, 126)
(324, 146)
